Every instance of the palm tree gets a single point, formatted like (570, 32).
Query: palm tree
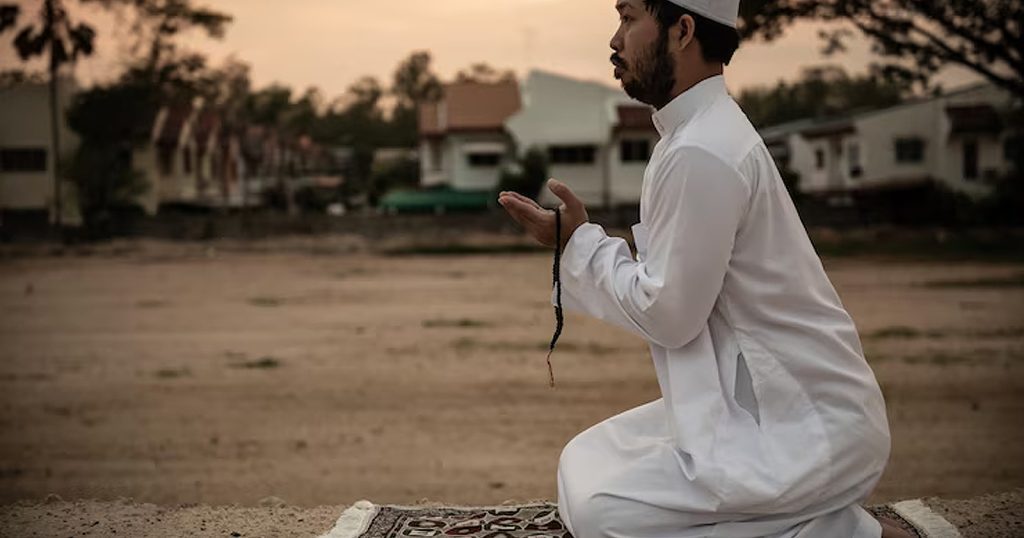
(55, 35)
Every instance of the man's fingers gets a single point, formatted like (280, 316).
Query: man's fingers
(522, 211)
(525, 199)
(564, 193)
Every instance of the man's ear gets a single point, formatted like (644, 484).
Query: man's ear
(685, 26)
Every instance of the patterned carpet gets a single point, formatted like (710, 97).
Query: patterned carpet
(538, 520)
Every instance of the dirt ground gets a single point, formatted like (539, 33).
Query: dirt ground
(988, 516)
(183, 374)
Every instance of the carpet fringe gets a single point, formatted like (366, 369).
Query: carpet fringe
(930, 524)
(354, 521)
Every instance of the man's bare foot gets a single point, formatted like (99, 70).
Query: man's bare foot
(892, 529)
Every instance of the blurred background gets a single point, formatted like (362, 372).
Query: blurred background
(252, 249)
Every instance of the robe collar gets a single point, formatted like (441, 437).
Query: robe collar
(686, 105)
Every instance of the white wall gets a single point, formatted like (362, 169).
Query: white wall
(562, 111)
(467, 177)
(25, 123)
(627, 178)
(586, 180)
(878, 133)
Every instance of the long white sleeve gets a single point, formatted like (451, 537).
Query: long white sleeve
(696, 203)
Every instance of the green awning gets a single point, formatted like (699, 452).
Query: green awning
(440, 200)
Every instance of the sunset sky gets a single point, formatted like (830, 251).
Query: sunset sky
(331, 43)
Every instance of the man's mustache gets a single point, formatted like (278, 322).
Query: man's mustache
(618, 61)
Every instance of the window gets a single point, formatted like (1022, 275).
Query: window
(970, 160)
(571, 154)
(484, 159)
(909, 150)
(634, 151)
(23, 160)
(819, 159)
(853, 157)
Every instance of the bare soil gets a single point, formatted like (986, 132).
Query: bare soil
(181, 374)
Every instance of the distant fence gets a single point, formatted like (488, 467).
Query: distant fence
(198, 226)
(903, 210)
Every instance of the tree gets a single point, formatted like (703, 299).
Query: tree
(915, 37)
(156, 25)
(110, 121)
(14, 77)
(820, 91)
(356, 120)
(484, 73)
(61, 41)
(414, 84)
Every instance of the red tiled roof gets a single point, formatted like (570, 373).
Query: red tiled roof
(470, 106)
(633, 117)
(174, 122)
(207, 122)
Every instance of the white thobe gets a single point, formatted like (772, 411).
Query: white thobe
(771, 422)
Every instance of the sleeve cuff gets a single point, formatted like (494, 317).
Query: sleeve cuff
(580, 247)
(577, 253)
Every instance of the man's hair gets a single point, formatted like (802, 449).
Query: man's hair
(717, 41)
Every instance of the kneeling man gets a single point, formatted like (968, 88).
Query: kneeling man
(770, 423)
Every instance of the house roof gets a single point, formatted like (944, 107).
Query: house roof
(206, 124)
(981, 118)
(633, 117)
(566, 110)
(174, 121)
(829, 127)
(836, 125)
(470, 106)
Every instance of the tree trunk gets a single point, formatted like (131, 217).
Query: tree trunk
(54, 120)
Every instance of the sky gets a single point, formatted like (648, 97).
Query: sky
(331, 43)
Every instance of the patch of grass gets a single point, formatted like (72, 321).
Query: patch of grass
(900, 332)
(466, 344)
(171, 373)
(462, 250)
(994, 247)
(904, 333)
(1002, 332)
(151, 303)
(460, 323)
(937, 358)
(355, 271)
(263, 363)
(1012, 281)
(266, 302)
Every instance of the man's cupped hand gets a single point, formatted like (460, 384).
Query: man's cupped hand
(540, 222)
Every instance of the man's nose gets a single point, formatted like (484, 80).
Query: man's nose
(616, 41)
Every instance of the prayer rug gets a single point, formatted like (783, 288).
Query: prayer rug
(540, 520)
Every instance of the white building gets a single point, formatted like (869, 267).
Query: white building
(957, 140)
(26, 155)
(189, 159)
(590, 133)
(596, 139)
(463, 140)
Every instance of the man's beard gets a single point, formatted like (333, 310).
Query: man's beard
(653, 74)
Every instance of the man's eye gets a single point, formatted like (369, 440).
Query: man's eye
(626, 18)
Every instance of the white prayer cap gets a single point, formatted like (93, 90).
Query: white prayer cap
(723, 11)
